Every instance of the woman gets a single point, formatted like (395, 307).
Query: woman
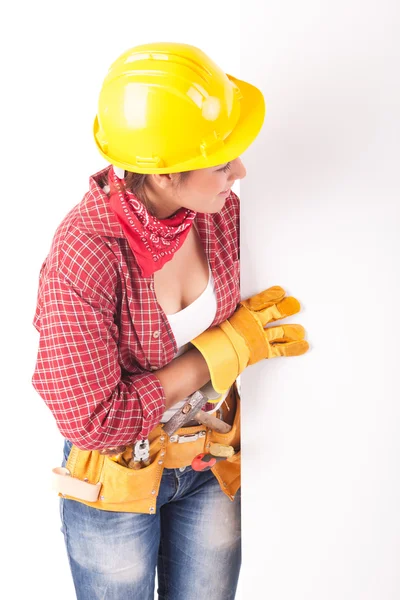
(133, 307)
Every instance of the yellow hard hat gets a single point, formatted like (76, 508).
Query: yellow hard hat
(167, 107)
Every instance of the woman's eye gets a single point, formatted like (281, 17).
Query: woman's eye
(226, 168)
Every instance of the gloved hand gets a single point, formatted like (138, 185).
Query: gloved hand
(243, 339)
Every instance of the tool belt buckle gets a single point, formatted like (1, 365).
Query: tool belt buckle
(188, 437)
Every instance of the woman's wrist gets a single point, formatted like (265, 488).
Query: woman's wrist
(183, 376)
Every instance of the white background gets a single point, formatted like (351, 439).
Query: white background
(320, 217)
(54, 60)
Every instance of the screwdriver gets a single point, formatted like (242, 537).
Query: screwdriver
(206, 460)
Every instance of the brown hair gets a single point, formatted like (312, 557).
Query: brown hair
(135, 183)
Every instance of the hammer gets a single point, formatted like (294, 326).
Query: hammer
(192, 410)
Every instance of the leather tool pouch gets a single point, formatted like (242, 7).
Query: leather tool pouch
(228, 471)
(97, 480)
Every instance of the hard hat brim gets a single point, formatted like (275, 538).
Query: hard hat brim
(248, 126)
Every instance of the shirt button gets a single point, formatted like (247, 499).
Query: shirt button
(151, 286)
(153, 368)
(156, 334)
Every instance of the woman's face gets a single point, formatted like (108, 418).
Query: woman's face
(202, 191)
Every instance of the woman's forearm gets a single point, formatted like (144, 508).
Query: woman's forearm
(183, 376)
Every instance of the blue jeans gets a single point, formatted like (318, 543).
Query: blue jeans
(193, 540)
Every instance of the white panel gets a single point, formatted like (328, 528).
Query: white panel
(320, 216)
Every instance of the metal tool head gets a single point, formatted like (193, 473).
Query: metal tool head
(188, 411)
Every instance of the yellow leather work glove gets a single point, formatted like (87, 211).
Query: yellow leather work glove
(243, 339)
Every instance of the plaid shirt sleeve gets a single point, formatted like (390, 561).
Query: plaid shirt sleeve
(78, 374)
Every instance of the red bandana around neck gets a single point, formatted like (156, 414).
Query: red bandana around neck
(153, 241)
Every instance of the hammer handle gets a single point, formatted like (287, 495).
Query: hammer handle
(212, 422)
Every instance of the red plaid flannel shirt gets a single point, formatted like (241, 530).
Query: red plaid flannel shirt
(102, 331)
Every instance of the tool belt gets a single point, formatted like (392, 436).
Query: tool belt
(97, 480)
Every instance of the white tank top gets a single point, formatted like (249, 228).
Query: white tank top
(188, 323)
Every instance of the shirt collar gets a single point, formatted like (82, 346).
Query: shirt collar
(94, 212)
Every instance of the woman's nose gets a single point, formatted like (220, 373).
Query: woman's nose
(239, 170)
